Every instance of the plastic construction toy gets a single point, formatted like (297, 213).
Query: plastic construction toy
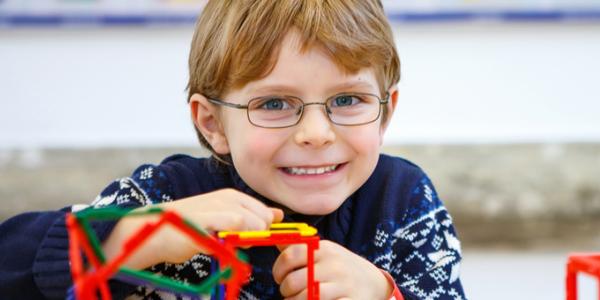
(588, 263)
(91, 281)
(90, 278)
(281, 234)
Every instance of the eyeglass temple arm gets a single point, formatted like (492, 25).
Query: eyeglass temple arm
(386, 99)
(221, 102)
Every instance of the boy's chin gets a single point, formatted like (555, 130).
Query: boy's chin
(316, 206)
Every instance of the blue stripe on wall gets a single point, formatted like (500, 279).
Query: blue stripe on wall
(9, 20)
(516, 15)
(94, 20)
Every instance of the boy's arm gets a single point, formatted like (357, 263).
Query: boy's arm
(20, 240)
(35, 259)
(35, 264)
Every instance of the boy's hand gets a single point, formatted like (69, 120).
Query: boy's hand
(226, 209)
(341, 273)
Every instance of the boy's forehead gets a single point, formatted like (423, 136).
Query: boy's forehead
(296, 67)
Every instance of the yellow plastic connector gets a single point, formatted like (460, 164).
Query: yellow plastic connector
(279, 228)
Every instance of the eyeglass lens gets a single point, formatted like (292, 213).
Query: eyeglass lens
(284, 111)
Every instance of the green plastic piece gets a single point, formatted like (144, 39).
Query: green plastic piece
(205, 288)
(113, 213)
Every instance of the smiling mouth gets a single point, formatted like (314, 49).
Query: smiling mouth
(311, 171)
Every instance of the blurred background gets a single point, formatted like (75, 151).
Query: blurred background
(499, 103)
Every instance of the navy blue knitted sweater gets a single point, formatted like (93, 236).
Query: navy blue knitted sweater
(395, 220)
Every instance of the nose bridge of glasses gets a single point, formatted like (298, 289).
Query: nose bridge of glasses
(316, 117)
(327, 109)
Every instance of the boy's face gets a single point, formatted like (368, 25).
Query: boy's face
(272, 161)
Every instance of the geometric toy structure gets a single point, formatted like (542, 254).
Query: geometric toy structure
(588, 263)
(232, 271)
(281, 234)
(88, 283)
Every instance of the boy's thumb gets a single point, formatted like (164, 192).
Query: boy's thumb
(282, 247)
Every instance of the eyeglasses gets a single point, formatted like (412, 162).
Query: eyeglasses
(347, 109)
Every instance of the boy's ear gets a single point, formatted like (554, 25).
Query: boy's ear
(391, 106)
(206, 119)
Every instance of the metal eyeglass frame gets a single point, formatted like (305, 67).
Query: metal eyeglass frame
(301, 111)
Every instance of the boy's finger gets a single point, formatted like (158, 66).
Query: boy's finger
(290, 259)
(282, 247)
(253, 221)
(294, 283)
(327, 290)
(249, 219)
(238, 220)
(258, 208)
(218, 221)
(277, 215)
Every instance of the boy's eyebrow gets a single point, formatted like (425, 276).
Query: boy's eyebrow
(354, 84)
(282, 88)
(275, 88)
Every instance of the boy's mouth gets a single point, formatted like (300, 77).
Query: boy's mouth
(311, 170)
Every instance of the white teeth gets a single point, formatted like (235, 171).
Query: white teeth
(311, 171)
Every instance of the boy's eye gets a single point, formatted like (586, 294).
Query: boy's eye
(273, 103)
(345, 100)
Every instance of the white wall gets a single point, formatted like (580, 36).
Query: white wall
(499, 83)
(464, 82)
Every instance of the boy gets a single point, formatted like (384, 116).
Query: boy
(292, 98)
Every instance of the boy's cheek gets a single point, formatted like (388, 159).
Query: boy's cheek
(260, 146)
(252, 144)
(365, 140)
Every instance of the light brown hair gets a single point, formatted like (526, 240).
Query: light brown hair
(237, 41)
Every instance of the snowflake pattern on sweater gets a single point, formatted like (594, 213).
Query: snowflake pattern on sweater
(149, 185)
(422, 251)
(146, 186)
(419, 249)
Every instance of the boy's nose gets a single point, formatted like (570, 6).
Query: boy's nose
(315, 129)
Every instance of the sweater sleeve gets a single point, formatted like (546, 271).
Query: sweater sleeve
(34, 246)
(427, 253)
(20, 238)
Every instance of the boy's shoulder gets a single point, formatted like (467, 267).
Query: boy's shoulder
(191, 175)
(185, 164)
(183, 160)
(392, 192)
(397, 169)
(393, 182)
